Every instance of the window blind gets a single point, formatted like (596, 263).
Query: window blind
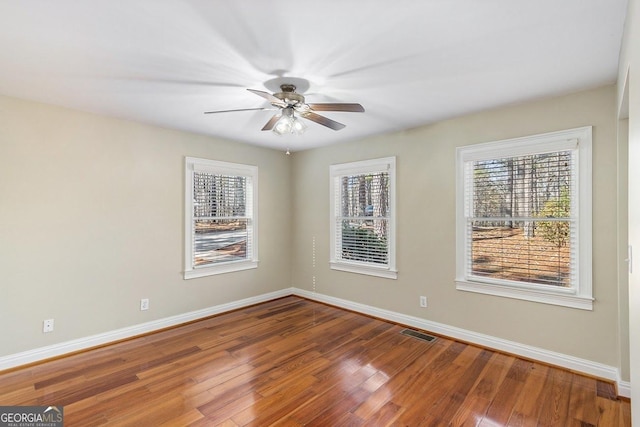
(363, 223)
(520, 222)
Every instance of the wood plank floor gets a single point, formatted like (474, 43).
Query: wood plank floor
(293, 362)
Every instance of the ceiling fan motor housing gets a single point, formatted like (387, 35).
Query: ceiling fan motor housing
(289, 95)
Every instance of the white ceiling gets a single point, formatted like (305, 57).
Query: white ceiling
(408, 62)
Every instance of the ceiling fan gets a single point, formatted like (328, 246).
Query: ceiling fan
(292, 105)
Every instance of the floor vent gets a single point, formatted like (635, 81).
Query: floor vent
(419, 335)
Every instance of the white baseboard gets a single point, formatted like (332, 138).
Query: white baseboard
(624, 388)
(546, 356)
(55, 350)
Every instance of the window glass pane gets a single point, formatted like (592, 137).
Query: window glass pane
(219, 195)
(365, 240)
(224, 239)
(525, 251)
(526, 190)
(220, 240)
(526, 186)
(365, 195)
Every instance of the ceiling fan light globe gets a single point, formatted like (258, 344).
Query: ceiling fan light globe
(298, 127)
(284, 126)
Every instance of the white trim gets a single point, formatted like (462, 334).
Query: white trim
(624, 388)
(223, 267)
(363, 269)
(55, 350)
(546, 356)
(527, 294)
(363, 166)
(220, 167)
(532, 144)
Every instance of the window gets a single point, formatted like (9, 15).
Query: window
(221, 217)
(524, 218)
(363, 217)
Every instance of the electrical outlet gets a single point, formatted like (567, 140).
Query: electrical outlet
(47, 325)
(423, 301)
(144, 304)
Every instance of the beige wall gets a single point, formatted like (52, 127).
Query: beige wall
(91, 220)
(629, 84)
(426, 227)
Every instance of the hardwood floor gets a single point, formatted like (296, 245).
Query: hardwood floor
(293, 362)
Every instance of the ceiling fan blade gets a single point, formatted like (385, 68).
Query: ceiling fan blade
(149, 80)
(324, 121)
(272, 122)
(240, 109)
(355, 108)
(266, 95)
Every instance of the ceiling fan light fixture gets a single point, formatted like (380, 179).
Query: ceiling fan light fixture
(289, 123)
(289, 103)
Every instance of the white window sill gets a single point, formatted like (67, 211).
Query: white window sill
(228, 267)
(554, 298)
(384, 272)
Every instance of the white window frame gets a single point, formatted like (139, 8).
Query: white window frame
(192, 165)
(579, 296)
(387, 164)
